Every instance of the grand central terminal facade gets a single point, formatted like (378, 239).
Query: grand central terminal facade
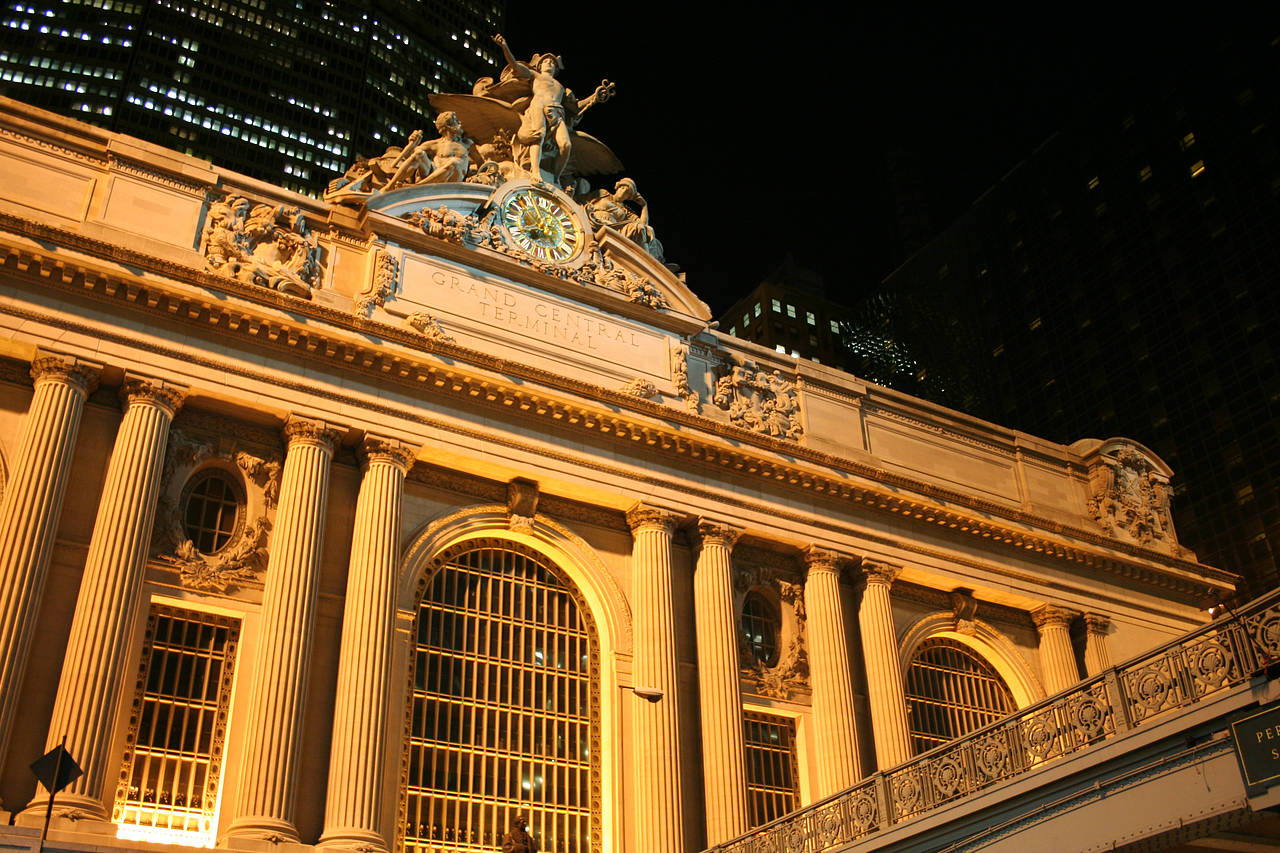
(375, 522)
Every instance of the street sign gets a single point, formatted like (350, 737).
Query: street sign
(56, 769)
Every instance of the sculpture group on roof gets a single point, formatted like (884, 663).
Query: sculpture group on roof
(522, 125)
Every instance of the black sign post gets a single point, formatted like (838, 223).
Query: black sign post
(56, 769)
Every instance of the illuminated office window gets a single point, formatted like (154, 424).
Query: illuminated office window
(505, 706)
(791, 310)
(171, 774)
(772, 788)
(776, 304)
(756, 311)
(951, 691)
(811, 318)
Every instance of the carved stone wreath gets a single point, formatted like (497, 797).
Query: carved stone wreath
(242, 558)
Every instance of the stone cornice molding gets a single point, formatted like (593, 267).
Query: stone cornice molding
(299, 430)
(144, 389)
(878, 572)
(818, 560)
(376, 449)
(643, 517)
(860, 485)
(711, 532)
(1052, 616)
(78, 373)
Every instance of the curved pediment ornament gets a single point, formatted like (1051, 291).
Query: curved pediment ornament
(1129, 488)
(244, 556)
(263, 244)
(758, 401)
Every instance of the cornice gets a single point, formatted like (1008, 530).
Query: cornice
(539, 394)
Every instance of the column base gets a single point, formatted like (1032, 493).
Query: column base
(352, 838)
(260, 833)
(71, 812)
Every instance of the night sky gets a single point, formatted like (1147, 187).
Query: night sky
(757, 134)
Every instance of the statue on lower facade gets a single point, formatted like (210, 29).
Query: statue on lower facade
(518, 840)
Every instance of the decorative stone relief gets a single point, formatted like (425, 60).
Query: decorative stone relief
(522, 503)
(791, 672)
(263, 244)
(434, 161)
(427, 326)
(680, 376)
(758, 401)
(641, 388)
(450, 225)
(964, 607)
(1130, 497)
(386, 272)
(242, 558)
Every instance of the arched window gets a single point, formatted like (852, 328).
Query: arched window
(951, 691)
(505, 706)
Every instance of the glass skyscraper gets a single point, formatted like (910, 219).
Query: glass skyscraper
(288, 92)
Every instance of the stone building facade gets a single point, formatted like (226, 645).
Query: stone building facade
(371, 526)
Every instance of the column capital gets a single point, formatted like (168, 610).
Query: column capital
(879, 572)
(1096, 623)
(712, 532)
(299, 430)
(377, 449)
(644, 517)
(145, 389)
(51, 367)
(1051, 616)
(817, 559)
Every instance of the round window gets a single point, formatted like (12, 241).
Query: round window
(213, 511)
(760, 624)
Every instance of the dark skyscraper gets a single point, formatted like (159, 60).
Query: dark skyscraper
(1125, 280)
(289, 93)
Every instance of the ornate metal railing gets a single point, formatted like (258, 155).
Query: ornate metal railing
(1207, 661)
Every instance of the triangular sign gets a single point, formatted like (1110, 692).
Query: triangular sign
(56, 769)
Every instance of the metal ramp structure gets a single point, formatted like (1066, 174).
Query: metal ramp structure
(1139, 757)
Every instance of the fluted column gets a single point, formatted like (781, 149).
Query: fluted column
(1097, 650)
(95, 667)
(353, 807)
(884, 672)
(30, 512)
(659, 810)
(1057, 659)
(724, 771)
(268, 785)
(835, 730)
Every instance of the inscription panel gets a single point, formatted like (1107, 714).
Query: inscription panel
(466, 302)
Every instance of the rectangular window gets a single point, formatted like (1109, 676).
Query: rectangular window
(772, 787)
(791, 310)
(811, 318)
(835, 327)
(757, 309)
(776, 305)
(746, 320)
(172, 771)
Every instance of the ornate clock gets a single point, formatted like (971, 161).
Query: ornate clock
(540, 222)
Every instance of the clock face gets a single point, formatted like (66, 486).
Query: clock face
(541, 226)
